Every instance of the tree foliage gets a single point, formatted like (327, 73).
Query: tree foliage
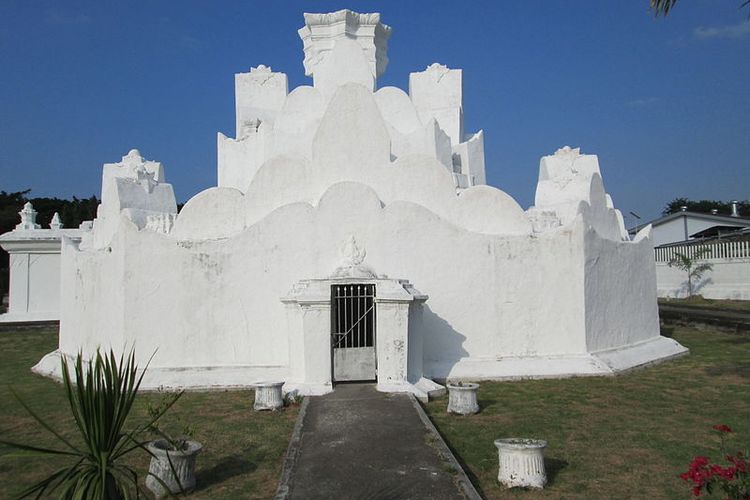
(705, 206)
(664, 7)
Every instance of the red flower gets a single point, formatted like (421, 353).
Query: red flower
(739, 462)
(723, 428)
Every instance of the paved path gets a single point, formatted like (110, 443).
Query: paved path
(357, 443)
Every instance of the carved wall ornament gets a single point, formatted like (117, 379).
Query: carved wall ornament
(352, 262)
(568, 153)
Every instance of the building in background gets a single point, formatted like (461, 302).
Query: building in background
(720, 240)
(684, 225)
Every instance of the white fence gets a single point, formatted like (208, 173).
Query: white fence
(713, 251)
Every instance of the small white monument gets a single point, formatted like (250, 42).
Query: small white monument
(352, 236)
(34, 267)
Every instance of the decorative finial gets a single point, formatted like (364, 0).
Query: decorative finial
(56, 222)
(132, 158)
(321, 31)
(437, 70)
(568, 153)
(28, 217)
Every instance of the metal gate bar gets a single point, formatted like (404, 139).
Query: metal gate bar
(352, 315)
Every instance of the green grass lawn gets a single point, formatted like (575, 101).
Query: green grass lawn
(243, 449)
(616, 437)
(612, 437)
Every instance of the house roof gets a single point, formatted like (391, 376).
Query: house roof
(719, 220)
(719, 230)
(739, 235)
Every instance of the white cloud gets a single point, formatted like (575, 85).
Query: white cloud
(57, 17)
(641, 103)
(740, 30)
(190, 42)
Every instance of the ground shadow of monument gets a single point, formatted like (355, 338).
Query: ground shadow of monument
(443, 345)
(666, 331)
(228, 467)
(553, 466)
(736, 369)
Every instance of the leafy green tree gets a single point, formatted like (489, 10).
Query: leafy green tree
(694, 270)
(705, 206)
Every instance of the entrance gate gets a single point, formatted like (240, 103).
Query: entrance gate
(353, 332)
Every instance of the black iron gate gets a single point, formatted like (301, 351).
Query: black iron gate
(353, 331)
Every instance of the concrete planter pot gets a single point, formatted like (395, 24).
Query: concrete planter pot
(521, 462)
(268, 396)
(462, 398)
(182, 478)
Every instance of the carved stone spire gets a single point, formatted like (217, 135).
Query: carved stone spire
(28, 217)
(56, 223)
(364, 31)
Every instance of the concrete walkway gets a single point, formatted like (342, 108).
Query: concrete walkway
(358, 443)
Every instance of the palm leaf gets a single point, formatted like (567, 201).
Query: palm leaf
(662, 6)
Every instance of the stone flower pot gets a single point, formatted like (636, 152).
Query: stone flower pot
(521, 462)
(462, 398)
(268, 396)
(183, 462)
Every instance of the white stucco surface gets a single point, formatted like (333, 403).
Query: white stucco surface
(34, 290)
(728, 279)
(556, 290)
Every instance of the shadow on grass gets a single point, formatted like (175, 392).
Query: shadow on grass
(553, 466)
(739, 339)
(228, 467)
(485, 403)
(740, 369)
(666, 331)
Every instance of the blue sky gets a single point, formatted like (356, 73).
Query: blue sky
(664, 102)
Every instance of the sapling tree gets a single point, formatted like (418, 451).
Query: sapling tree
(691, 266)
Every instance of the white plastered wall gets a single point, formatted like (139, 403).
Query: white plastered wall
(728, 279)
(512, 293)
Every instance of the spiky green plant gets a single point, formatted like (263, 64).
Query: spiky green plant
(100, 401)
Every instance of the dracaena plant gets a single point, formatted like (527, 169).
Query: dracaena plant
(100, 398)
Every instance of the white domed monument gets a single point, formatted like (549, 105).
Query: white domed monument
(352, 237)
